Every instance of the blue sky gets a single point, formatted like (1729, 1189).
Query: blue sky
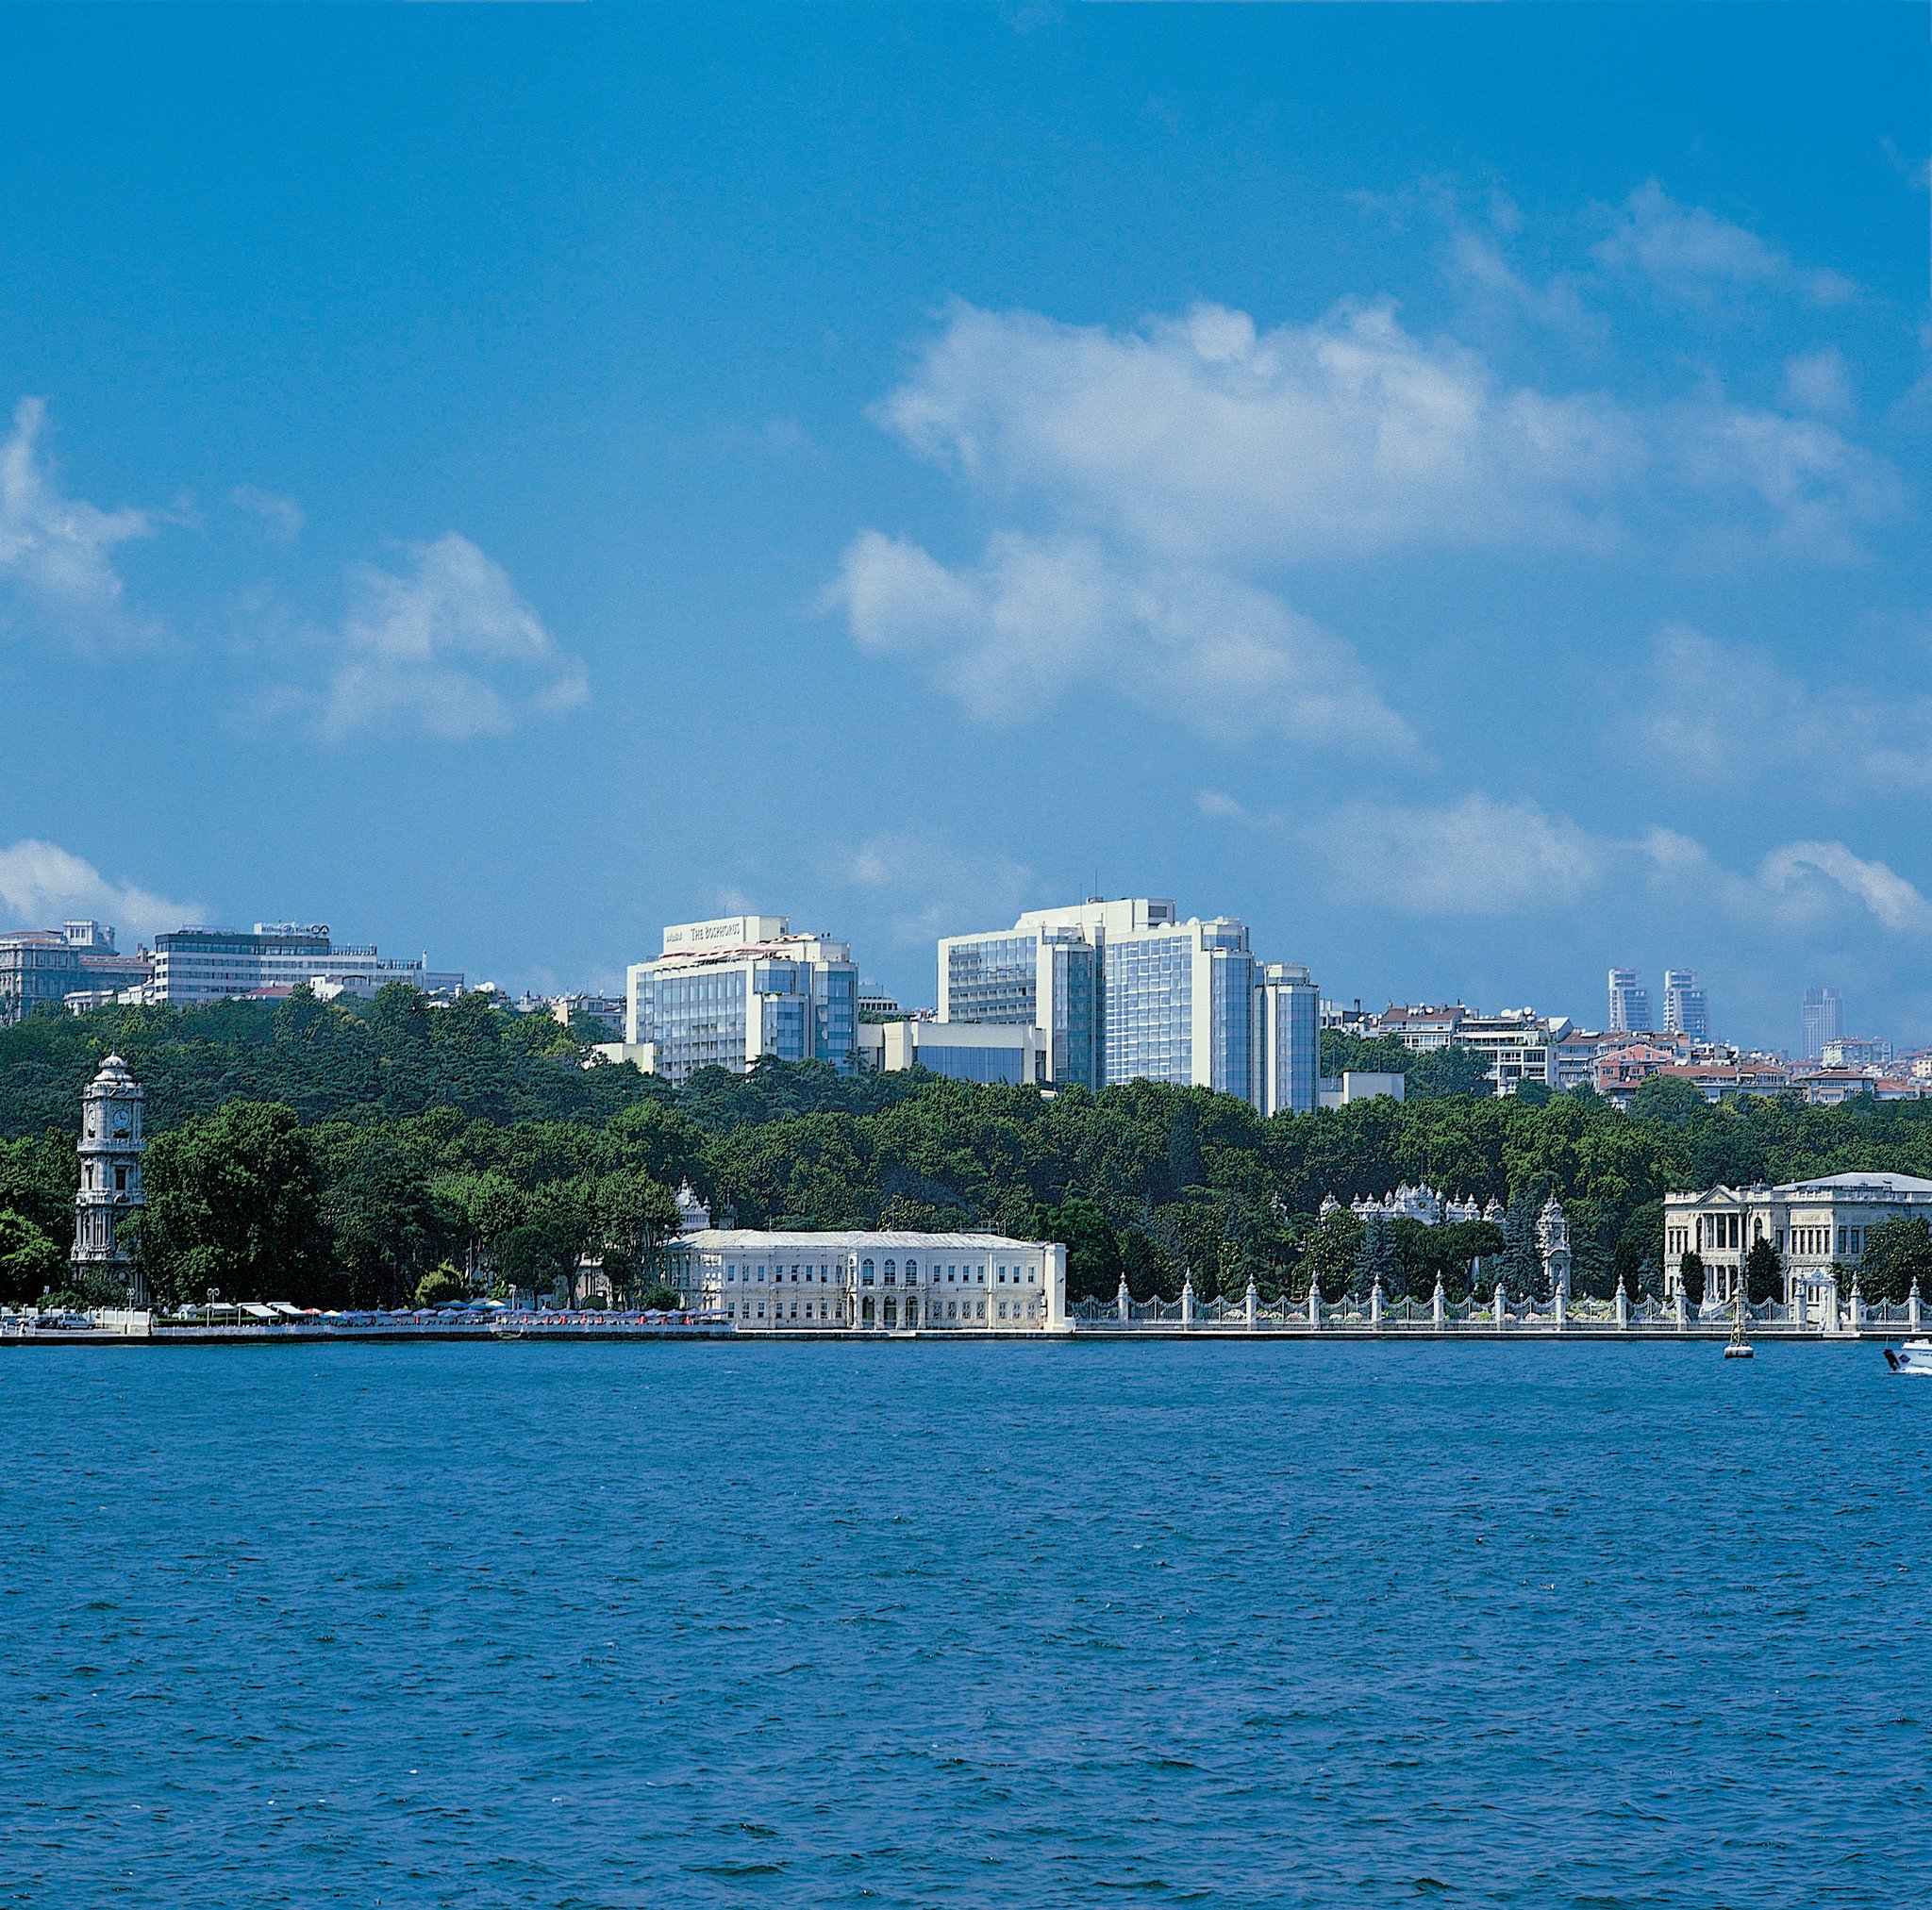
(1446, 485)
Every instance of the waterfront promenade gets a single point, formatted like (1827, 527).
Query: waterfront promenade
(1351, 1322)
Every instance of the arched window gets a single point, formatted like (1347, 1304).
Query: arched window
(865, 1274)
(912, 1272)
(891, 1273)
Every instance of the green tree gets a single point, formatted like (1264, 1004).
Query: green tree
(542, 1253)
(1764, 1273)
(1377, 1258)
(1144, 1266)
(30, 1263)
(1691, 1277)
(1669, 1100)
(1897, 1252)
(235, 1203)
(1639, 1249)
(387, 1225)
(1093, 1254)
(37, 1177)
(1328, 1254)
(634, 1216)
(1343, 1054)
(1445, 1072)
(1521, 1267)
(440, 1285)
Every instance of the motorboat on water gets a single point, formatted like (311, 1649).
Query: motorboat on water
(1915, 1356)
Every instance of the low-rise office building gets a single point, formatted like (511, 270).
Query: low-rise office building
(882, 1280)
(1815, 1225)
(1009, 1054)
(1341, 1091)
(194, 965)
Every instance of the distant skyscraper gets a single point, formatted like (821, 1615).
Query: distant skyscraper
(1687, 1010)
(1825, 1021)
(1629, 1004)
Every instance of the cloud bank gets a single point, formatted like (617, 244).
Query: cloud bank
(446, 647)
(42, 885)
(1692, 254)
(1036, 615)
(1479, 857)
(1162, 480)
(57, 552)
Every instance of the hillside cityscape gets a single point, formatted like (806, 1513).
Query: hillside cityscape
(1103, 992)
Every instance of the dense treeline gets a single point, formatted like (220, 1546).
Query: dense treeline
(343, 1155)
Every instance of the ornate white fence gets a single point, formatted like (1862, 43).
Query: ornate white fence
(1493, 1313)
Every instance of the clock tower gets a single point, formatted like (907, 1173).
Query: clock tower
(109, 1192)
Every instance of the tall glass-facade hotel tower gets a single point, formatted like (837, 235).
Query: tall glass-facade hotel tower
(1125, 992)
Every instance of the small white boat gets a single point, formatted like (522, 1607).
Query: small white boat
(1915, 1356)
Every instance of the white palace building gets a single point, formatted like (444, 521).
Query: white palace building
(807, 1281)
(1817, 1226)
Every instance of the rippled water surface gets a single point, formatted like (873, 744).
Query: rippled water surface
(930, 1624)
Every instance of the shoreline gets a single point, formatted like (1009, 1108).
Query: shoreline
(1711, 1333)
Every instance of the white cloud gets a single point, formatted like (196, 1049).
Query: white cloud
(1484, 856)
(1476, 265)
(1158, 482)
(1729, 713)
(446, 647)
(1201, 438)
(1894, 903)
(1819, 381)
(1692, 254)
(1475, 857)
(43, 886)
(1219, 805)
(1718, 711)
(1035, 616)
(57, 550)
(1815, 487)
(937, 887)
(281, 517)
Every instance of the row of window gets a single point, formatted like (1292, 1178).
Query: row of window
(1723, 1233)
(939, 1313)
(755, 1273)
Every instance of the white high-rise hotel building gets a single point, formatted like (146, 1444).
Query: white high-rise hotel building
(725, 993)
(1124, 991)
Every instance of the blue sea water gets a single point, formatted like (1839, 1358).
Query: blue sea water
(950, 1624)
